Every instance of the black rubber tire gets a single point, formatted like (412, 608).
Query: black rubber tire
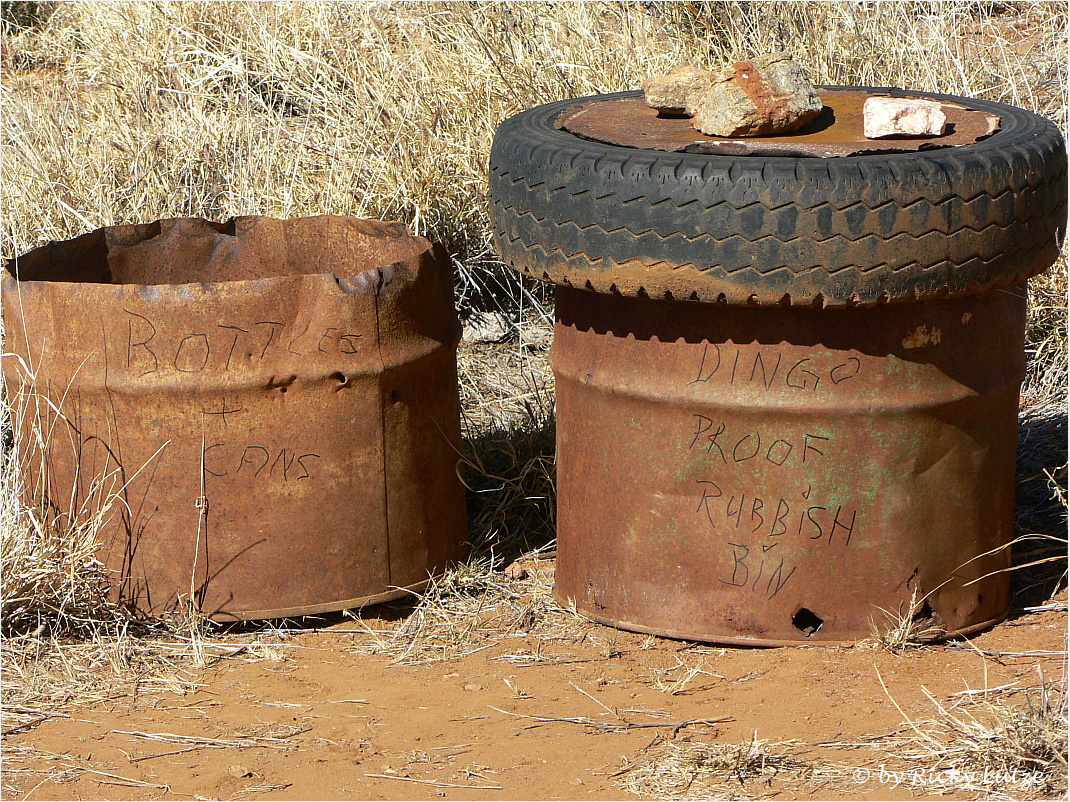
(855, 230)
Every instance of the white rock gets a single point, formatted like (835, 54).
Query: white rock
(889, 116)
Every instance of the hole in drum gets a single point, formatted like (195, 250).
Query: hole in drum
(806, 621)
(925, 612)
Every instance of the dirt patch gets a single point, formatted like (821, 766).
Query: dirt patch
(576, 713)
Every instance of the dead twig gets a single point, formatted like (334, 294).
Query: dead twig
(136, 760)
(221, 743)
(435, 783)
(602, 726)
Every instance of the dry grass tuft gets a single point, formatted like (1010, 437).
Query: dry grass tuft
(911, 625)
(696, 769)
(677, 680)
(988, 747)
(473, 607)
(50, 578)
(508, 401)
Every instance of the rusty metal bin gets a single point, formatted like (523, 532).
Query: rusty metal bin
(263, 413)
(787, 368)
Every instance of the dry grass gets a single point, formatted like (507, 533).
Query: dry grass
(508, 402)
(693, 769)
(910, 625)
(135, 111)
(48, 562)
(984, 745)
(476, 606)
(129, 112)
(43, 674)
(454, 615)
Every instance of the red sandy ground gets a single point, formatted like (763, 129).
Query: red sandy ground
(359, 716)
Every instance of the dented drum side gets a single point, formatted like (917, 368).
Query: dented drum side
(771, 476)
(267, 447)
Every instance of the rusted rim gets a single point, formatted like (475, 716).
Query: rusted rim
(222, 616)
(629, 122)
(38, 264)
(679, 634)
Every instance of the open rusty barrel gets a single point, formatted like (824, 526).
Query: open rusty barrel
(787, 368)
(260, 417)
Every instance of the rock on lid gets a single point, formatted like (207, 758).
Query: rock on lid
(765, 96)
(889, 116)
(679, 92)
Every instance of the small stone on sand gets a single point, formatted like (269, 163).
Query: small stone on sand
(516, 571)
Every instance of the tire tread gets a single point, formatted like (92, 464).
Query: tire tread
(842, 231)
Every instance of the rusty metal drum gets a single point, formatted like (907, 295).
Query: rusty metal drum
(261, 417)
(745, 476)
(787, 371)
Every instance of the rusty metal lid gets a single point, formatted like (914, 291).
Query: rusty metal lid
(837, 131)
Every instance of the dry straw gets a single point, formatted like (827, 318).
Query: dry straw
(697, 769)
(978, 743)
